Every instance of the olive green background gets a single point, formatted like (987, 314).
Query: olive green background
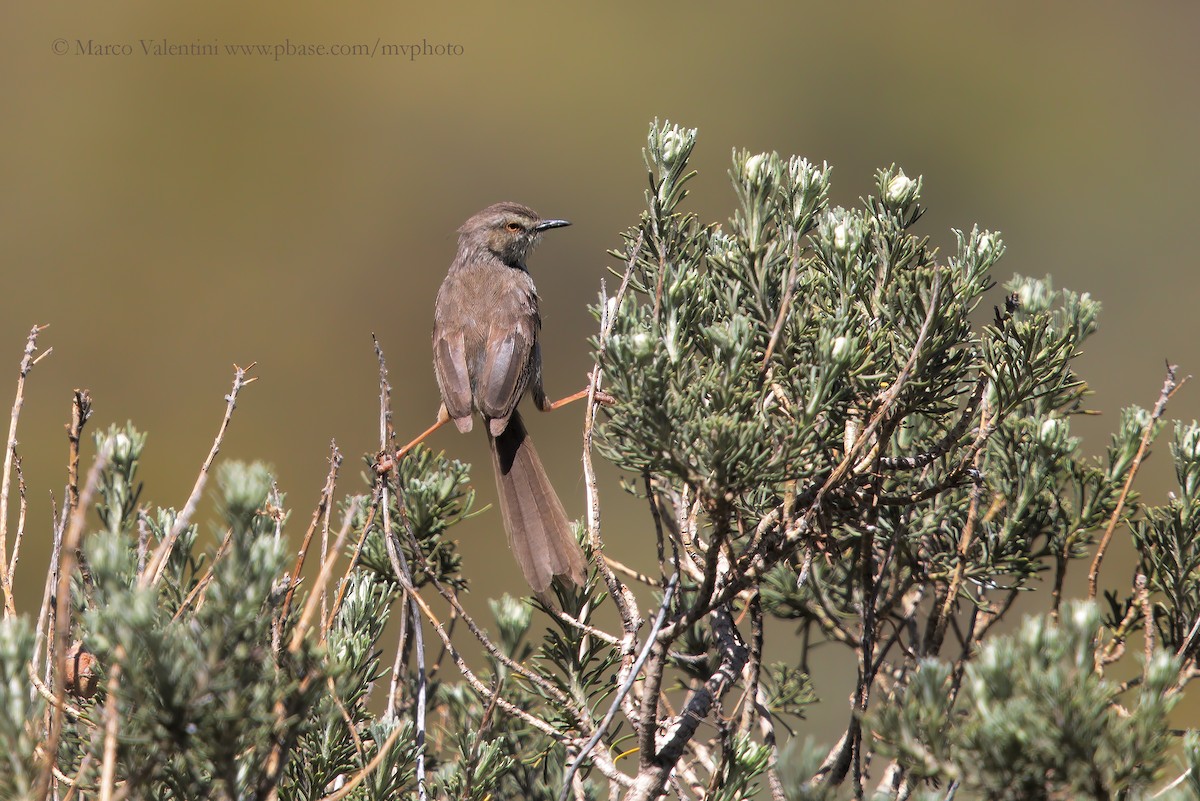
(171, 216)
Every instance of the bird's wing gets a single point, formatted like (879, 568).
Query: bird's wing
(450, 366)
(506, 366)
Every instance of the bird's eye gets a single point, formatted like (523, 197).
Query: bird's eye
(514, 227)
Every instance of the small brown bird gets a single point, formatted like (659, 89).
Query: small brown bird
(485, 355)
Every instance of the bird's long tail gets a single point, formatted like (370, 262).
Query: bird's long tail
(538, 531)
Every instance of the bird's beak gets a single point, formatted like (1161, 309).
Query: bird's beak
(546, 225)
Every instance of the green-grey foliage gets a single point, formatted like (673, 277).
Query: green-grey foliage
(17, 709)
(845, 439)
(1034, 719)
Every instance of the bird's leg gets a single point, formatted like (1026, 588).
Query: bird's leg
(385, 461)
(603, 398)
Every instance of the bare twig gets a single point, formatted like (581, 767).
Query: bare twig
(344, 584)
(71, 711)
(626, 570)
(73, 784)
(1178, 781)
(81, 411)
(10, 452)
(112, 725)
(460, 612)
(349, 721)
(197, 593)
(964, 547)
(659, 534)
(479, 687)
(45, 619)
(158, 562)
(789, 288)
(1190, 640)
(62, 615)
(622, 597)
(1142, 590)
(24, 507)
(654, 769)
(409, 605)
(590, 630)
(400, 566)
(1169, 388)
(322, 511)
(310, 604)
(626, 686)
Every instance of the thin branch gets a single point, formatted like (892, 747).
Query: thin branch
(71, 711)
(81, 412)
(45, 619)
(1168, 389)
(1142, 590)
(197, 593)
(623, 598)
(659, 536)
(73, 784)
(24, 507)
(479, 687)
(964, 547)
(310, 604)
(158, 563)
(626, 570)
(322, 510)
(652, 777)
(344, 584)
(10, 451)
(460, 612)
(626, 686)
(400, 566)
(62, 615)
(626, 604)
(784, 305)
(590, 630)
(112, 725)
(946, 443)
(399, 659)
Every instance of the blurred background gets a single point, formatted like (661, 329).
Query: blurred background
(171, 215)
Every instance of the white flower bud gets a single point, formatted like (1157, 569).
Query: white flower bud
(1189, 442)
(1049, 430)
(610, 308)
(1034, 296)
(840, 352)
(120, 448)
(672, 145)
(640, 344)
(841, 237)
(901, 189)
(754, 168)
(671, 338)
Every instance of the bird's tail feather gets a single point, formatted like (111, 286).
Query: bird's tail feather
(539, 533)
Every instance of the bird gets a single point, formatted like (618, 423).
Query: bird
(485, 356)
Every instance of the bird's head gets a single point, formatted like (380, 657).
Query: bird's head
(509, 230)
